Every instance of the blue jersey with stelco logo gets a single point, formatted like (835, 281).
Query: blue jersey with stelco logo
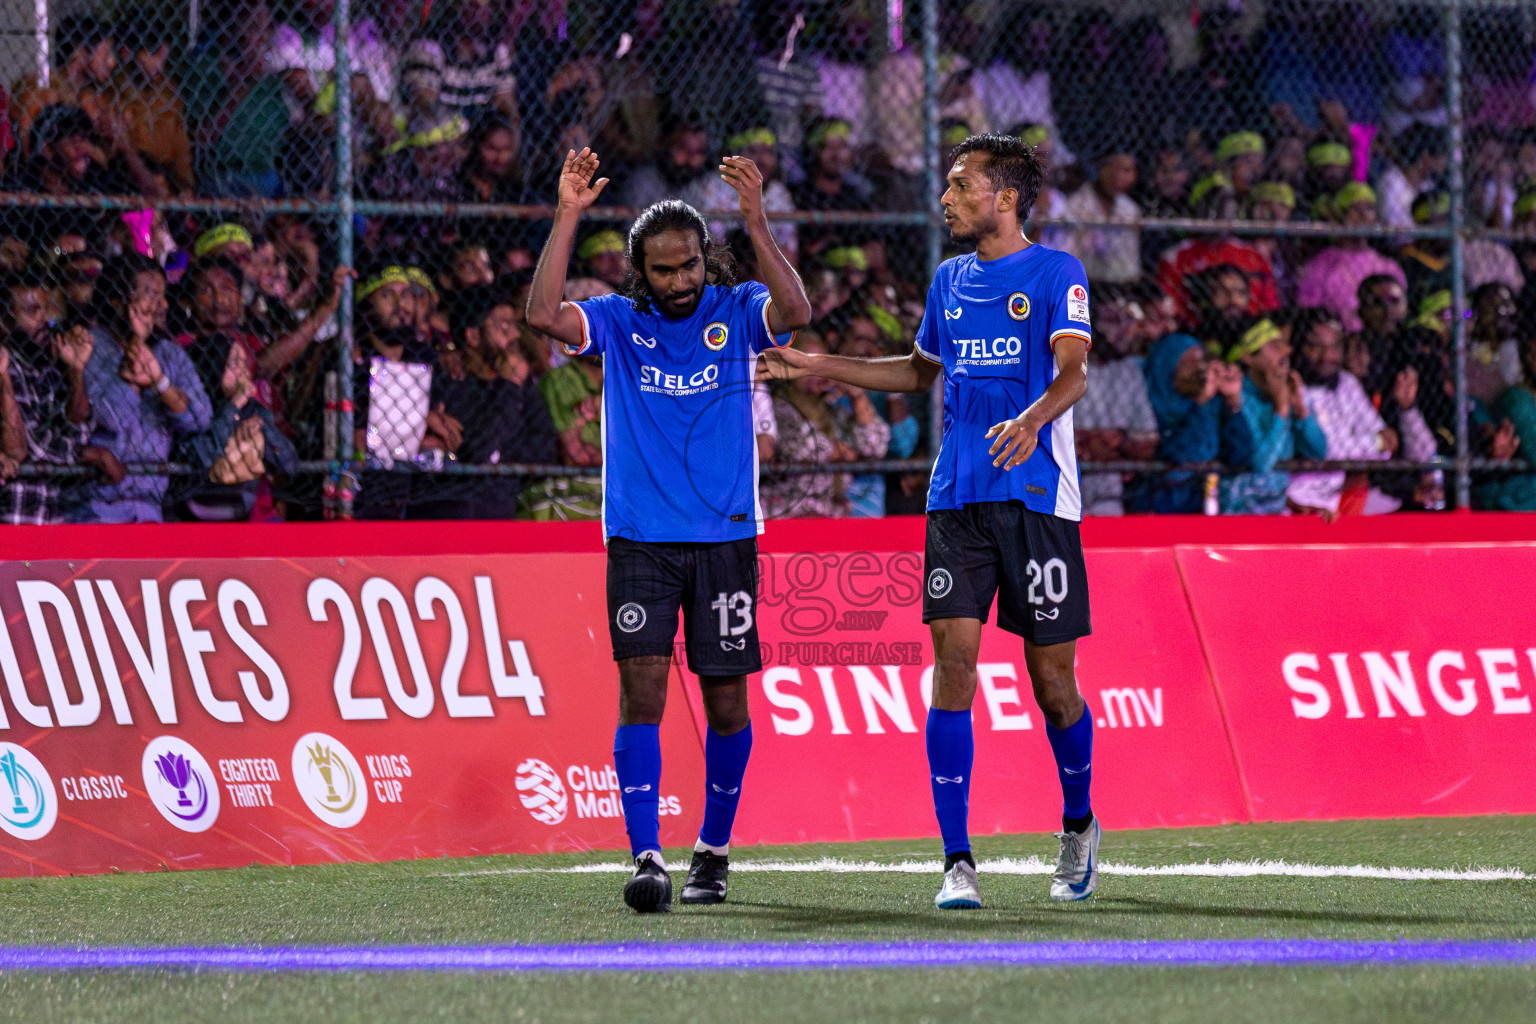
(993, 325)
(679, 444)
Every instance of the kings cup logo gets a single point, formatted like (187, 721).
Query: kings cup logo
(541, 791)
(1018, 306)
(180, 784)
(28, 804)
(330, 780)
(715, 335)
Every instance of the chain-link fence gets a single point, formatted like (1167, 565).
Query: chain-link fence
(269, 258)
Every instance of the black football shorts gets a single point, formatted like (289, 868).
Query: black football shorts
(1031, 562)
(714, 586)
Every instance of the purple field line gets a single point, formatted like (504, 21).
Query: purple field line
(697, 956)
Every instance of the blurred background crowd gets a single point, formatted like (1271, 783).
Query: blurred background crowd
(1262, 193)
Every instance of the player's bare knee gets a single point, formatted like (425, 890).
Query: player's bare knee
(643, 689)
(954, 682)
(1058, 699)
(725, 703)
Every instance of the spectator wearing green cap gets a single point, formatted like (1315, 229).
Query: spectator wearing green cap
(1273, 202)
(602, 266)
(1109, 254)
(1419, 161)
(1329, 163)
(1275, 406)
(831, 183)
(1241, 158)
(761, 146)
(1331, 279)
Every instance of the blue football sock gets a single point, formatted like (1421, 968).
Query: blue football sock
(1073, 747)
(951, 749)
(725, 762)
(637, 761)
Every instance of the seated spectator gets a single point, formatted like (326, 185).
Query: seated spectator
(150, 103)
(1427, 261)
(464, 60)
(1349, 421)
(679, 171)
(227, 241)
(1016, 85)
(601, 266)
(512, 424)
(493, 170)
(46, 362)
(1368, 353)
(1331, 279)
(1273, 202)
(302, 53)
(760, 146)
(401, 415)
(1240, 157)
(820, 421)
(236, 107)
(868, 496)
(1274, 404)
(1113, 421)
(1222, 301)
(422, 166)
(65, 161)
(467, 266)
(1329, 165)
(573, 392)
(1516, 407)
(1183, 385)
(1214, 198)
(1051, 204)
(1493, 354)
(243, 456)
(85, 50)
(1420, 161)
(144, 392)
(1112, 255)
(831, 183)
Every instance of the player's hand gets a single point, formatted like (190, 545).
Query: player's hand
(1016, 441)
(577, 189)
(783, 364)
(742, 175)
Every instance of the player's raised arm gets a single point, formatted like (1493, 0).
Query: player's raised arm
(891, 373)
(547, 309)
(790, 309)
(1017, 438)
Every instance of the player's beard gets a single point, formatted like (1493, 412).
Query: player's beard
(682, 307)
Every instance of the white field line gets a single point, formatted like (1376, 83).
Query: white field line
(1039, 866)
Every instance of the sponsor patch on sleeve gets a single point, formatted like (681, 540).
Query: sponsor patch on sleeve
(1077, 304)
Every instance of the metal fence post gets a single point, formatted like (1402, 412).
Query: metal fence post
(932, 176)
(346, 482)
(1453, 71)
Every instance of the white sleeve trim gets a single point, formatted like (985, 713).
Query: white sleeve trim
(586, 332)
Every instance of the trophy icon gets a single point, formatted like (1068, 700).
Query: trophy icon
(176, 770)
(321, 758)
(13, 773)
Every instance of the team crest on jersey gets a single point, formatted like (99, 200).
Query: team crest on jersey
(1018, 306)
(715, 335)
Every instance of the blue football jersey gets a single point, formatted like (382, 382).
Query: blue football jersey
(679, 445)
(993, 326)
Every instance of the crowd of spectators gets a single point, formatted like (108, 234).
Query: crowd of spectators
(140, 337)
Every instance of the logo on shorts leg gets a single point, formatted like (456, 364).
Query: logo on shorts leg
(939, 583)
(631, 618)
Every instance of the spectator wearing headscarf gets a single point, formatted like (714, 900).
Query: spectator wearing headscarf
(1198, 403)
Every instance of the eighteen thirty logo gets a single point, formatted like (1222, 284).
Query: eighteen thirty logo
(180, 784)
(542, 792)
(28, 804)
(330, 780)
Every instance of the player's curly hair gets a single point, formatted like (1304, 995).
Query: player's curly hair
(1013, 163)
(672, 215)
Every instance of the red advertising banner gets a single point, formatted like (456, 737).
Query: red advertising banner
(839, 710)
(1374, 681)
(222, 712)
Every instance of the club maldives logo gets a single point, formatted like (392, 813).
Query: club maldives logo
(330, 780)
(28, 804)
(715, 335)
(180, 784)
(541, 791)
(1018, 306)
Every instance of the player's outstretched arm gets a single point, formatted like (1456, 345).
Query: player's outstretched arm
(1016, 438)
(892, 373)
(547, 310)
(790, 309)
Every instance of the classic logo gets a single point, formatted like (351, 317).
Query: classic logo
(954, 314)
(28, 804)
(942, 780)
(736, 645)
(1018, 306)
(631, 618)
(715, 335)
(541, 791)
(1050, 615)
(180, 784)
(330, 780)
(939, 583)
(647, 342)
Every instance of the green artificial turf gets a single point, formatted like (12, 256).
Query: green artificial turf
(481, 901)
